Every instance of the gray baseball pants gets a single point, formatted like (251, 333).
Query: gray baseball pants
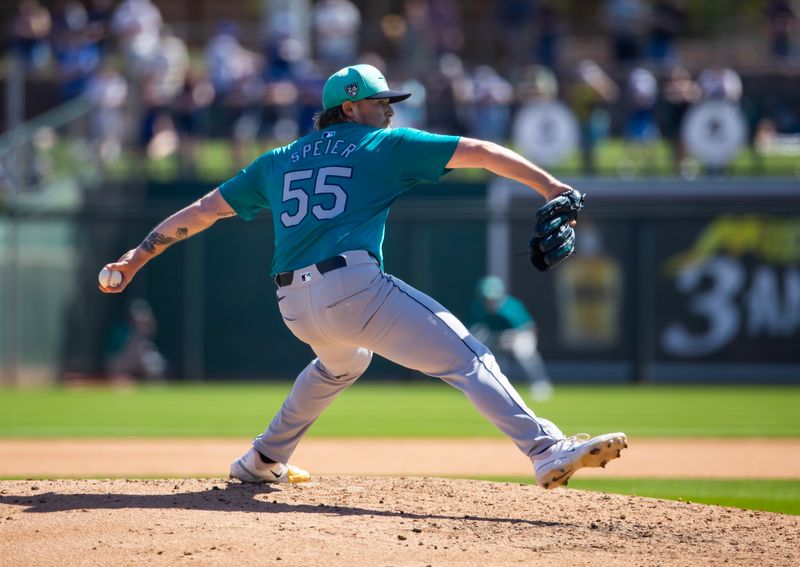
(348, 313)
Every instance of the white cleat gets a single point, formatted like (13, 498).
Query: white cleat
(559, 462)
(250, 468)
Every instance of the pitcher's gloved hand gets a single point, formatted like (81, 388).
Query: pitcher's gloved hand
(553, 236)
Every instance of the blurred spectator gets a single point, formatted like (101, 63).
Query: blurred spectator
(137, 26)
(163, 78)
(235, 74)
(133, 354)
(528, 29)
(678, 93)
(283, 54)
(418, 44)
(411, 115)
(107, 90)
(719, 82)
(780, 21)
(491, 98)
(668, 20)
(309, 82)
(68, 17)
(336, 26)
(536, 83)
(544, 129)
(77, 55)
(279, 120)
(760, 127)
(166, 72)
(641, 130)
(100, 14)
(514, 27)
(590, 96)
(286, 59)
(281, 20)
(625, 21)
(642, 91)
(445, 18)
(549, 28)
(190, 113)
(29, 35)
(446, 94)
(502, 323)
(229, 64)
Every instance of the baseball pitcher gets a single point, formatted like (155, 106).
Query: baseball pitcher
(329, 194)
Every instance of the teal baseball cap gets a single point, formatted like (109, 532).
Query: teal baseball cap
(491, 287)
(358, 82)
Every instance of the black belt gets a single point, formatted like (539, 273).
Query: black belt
(285, 278)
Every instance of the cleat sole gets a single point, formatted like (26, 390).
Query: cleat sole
(594, 454)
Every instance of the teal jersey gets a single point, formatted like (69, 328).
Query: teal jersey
(331, 190)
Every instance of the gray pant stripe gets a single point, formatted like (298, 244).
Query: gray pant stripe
(500, 382)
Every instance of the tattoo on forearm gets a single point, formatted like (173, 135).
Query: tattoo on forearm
(156, 239)
(226, 214)
(182, 233)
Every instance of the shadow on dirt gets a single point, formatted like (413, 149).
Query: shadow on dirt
(224, 497)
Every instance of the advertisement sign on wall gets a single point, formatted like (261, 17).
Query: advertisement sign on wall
(732, 292)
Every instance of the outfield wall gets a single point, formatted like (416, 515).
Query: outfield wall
(674, 281)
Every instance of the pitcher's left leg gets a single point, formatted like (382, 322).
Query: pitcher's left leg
(414, 330)
(313, 391)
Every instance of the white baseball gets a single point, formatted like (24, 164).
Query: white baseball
(109, 278)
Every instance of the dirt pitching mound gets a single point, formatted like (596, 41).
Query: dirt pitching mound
(373, 521)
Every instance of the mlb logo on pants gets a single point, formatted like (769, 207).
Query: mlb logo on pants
(305, 277)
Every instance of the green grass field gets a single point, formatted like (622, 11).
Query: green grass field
(781, 496)
(419, 409)
(431, 409)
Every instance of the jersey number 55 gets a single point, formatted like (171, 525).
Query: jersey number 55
(321, 187)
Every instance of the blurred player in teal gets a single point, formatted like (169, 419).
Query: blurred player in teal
(329, 195)
(502, 323)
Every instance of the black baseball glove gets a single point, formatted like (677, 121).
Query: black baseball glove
(553, 238)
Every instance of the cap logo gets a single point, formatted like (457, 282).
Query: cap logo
(351, 89)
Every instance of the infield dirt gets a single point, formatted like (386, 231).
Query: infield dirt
(367, 519)
(160, 458)
(357, 521)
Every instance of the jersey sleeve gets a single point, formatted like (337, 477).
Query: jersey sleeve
(246, 192)
(422, 155)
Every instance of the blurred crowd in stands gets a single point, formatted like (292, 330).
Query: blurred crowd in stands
(155, 96)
